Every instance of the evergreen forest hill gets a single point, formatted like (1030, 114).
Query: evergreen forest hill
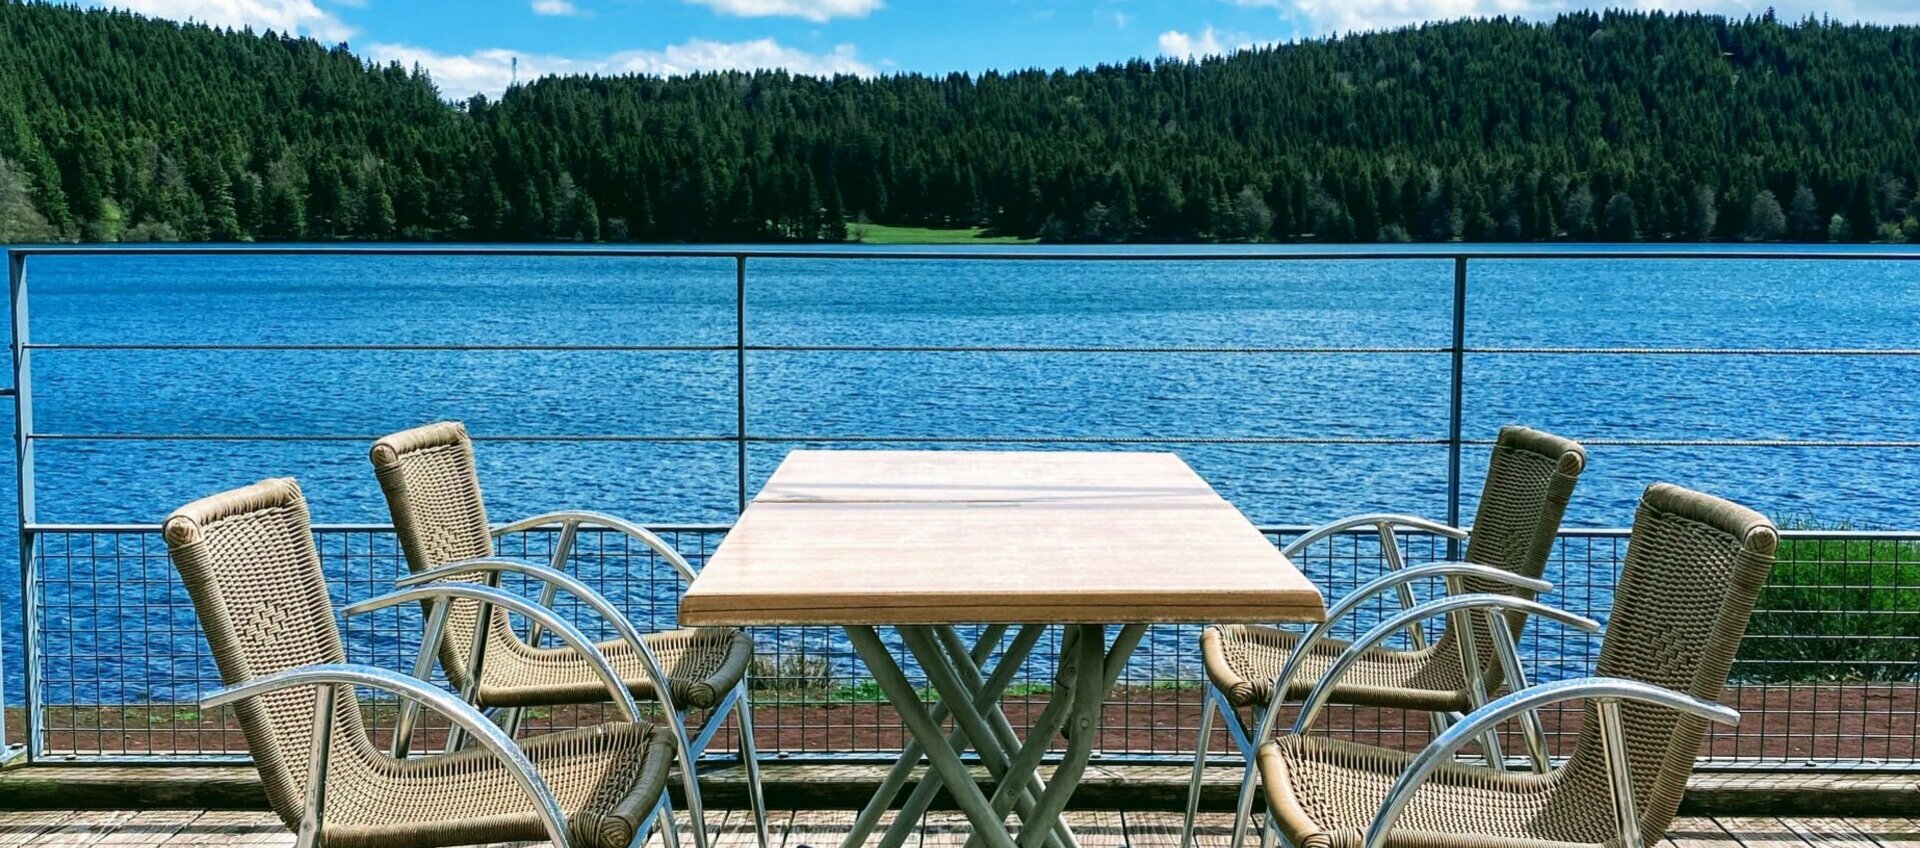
(1592, 127)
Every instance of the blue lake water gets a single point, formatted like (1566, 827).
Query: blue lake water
(1546, 302)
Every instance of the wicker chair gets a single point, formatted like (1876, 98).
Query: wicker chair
(433, 493)
(1530, 478)
(248, 560)
(1694, 565)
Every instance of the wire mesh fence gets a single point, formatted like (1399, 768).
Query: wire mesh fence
(1829, 674)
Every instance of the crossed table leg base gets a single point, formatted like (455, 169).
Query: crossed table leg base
(1089, 667)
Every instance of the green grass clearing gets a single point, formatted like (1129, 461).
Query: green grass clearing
(885, 234)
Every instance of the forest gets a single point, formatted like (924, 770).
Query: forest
(1618, 126)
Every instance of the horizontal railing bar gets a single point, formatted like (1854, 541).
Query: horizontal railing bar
(959, 440)
(49, 529)
(1030, 255)
(1269, 529)
(361, 437)
(1101, 440)
(1696, 351)
(324, 347)
(1090, 349)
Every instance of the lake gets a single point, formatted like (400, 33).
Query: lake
(801, 396)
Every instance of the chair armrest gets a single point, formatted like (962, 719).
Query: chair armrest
(1606, 690)
(1347, 605)
(487, 595)
(556, 578)
(1372, 519)
(489, 735)
(1310, 709)
(581, 518)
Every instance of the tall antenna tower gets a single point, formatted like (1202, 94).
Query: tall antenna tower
(516, 72)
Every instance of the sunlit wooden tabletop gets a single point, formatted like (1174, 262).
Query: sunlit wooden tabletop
(965, 537)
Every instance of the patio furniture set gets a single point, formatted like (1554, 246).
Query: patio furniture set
(1009, 545)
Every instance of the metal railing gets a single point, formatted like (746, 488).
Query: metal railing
(1844, 723)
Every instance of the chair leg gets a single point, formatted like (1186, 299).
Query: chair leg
(750, 761)
(669, 830)
(1207, 710)
(510, 720)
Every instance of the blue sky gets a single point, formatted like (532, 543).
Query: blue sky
(470, 46)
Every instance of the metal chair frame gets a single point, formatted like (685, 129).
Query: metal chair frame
(1248, 735)
(428, 586)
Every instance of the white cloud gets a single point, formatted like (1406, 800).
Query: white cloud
(489, 71)
(300, 17)
(1183, 45)
(1326, 17)
(555, 7)
(818, 11)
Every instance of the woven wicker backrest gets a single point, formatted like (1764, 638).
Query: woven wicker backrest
(248, 560)
(1680, 607)
(427, 474)
(1530, 478)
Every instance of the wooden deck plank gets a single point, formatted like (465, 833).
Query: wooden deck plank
(941, 829)
(153, 827)
(825, 829)
(1891, 832)
(1697, 832)
(1761, 832)
(1098, 828)
(1159, 829)
(16, 828)
(86, 828)
(1826, 831)
(233, 827)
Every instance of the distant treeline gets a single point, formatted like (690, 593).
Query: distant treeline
(1617, 126)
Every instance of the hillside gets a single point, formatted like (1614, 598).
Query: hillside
(1623, 126)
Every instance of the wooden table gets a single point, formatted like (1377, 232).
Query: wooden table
(925, 541)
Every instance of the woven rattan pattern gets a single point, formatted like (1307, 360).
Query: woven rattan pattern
(428, 476)
(248, 560)
(1529, 481)
(1694, 566)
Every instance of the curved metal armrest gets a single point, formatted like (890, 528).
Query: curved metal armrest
(1372, 519)
(573, 518)
(554, 577)
(1347, 605)
(1603, 689)
(1310, 709)
(489, 735)
(439, 592)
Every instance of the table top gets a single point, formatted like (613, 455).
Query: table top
(963, 537)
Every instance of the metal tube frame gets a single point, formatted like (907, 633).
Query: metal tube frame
(1604, 691)
(431, 586)
(24, 490)
(1283, 683)
(485, 734)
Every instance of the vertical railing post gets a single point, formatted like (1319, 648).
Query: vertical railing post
(740, 372)
(23, 491)
(1456, 400)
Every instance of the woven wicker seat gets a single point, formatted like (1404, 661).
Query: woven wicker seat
(248, 560)
(1530, 478)
(1693, 567)
(702, 664)
(1243, 660)
(433, 493)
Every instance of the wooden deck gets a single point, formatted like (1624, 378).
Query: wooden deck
(822, 829)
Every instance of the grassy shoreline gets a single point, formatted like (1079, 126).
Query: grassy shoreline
(885, 234)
